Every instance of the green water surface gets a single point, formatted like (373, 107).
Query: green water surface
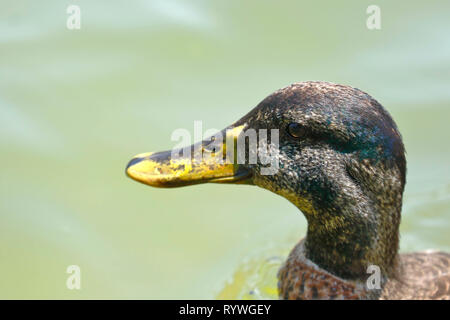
(76, 105)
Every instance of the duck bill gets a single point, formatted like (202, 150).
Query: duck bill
(212, 160)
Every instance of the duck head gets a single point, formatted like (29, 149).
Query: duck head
(336, 154)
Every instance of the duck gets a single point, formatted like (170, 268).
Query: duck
(338, 156)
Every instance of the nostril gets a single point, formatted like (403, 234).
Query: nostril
(133, 162)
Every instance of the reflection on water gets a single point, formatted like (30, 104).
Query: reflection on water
(254, 280)
(76, 105)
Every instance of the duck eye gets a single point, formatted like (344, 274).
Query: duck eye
(296, 130)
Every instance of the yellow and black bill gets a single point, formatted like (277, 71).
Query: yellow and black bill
(212, 160)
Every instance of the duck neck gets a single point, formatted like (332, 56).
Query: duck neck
(351, 246)
(342, 253)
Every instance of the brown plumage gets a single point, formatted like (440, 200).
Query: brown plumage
(423, 275)
(420, 276)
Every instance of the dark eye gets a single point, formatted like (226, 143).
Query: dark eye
(296, 130)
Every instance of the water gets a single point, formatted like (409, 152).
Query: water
(76, 105)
